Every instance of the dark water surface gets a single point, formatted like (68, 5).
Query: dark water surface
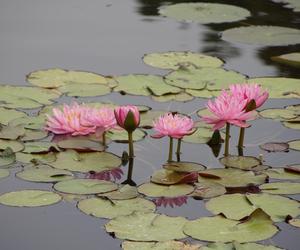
(110, 37)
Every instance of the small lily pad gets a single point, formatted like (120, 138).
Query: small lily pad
(205, 12)
(184, 166)
(105, 208)
(35, 158)
(16, 146)
(80, 144)
(155, 190)
(263, 35)
(179, 97)
(278, 114)
(85, 90)
(295, 145)
(11, 133)
(32, 135)
(241, 162)
(175, 60)
(292, 59)
(275, 147)
(291, 124)
(164, 245)
(281, 173)
(30, 122)
(206, 189)
(4, 173)
(281, 188)
(85, 186)
(140, 226)
(29, 198)
(7, 157)
(294, 222)
(126, 192)
(122, 135)
(238, 246)
(203, 93)
(201, 135)
(39, 147)
(169, 177)
(7, 115)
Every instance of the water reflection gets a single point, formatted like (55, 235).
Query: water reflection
(170, 202)
(107, 175)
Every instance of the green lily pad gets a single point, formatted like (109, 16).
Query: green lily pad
(126, 192)
(85, 186)
(278, 114)
(291, 4)
(44, 173)
(30, 122)
(85, 162)
(144, 85)
(147, 118)
(7, 115)
(14, 145)
(258, 227)
(11, 133)
(184, 166)
(4, 173)
(241, 162)
(201, 135)
(169, 177)
(104, 208)
(238, 246)
(140, 226)
(180, 97)
(209, 78)
(294, 145)
(292, 59)
(294, 222)
(281, 173)
(279, 87)
(155, 190)
(7, 157)
(80, 144)
(203, 93)
(32, 135)
(281, 188)
(164, 245)
(263, 35)
(85, 90)
(175, 60)
(29, 198)
(292, 125)
(39, 147)
(232, 177)
(207, 189)
(205, 12)
(53, 78)
(35, 158)
(122, 135)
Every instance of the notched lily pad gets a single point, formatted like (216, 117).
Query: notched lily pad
(125, 192)
(278, 114)
(206, 189)
(7, 115)
(241, 162)
(85, 90)
(281, 188)
(294, 222)
(32, 135)
(35, 158)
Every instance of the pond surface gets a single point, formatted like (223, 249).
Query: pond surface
(110, 37)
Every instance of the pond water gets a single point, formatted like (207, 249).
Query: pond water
(110, 37)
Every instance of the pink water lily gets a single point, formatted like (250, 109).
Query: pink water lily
(122, 118)
(70, 120)
(173, 125)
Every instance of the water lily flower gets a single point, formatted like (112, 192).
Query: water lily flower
(69, 120)
(175, 126)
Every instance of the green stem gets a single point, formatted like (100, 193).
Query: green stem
(226, 152)
(178, 147)
(130, 145)
(170, 150)
(104, 139)
(241, 138)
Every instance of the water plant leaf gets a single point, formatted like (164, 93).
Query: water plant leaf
(263, 35)
(29, 198)
(292, 125)
(39, 147)
(30, 122)
(35, 158)
(4, 173)
(7, 115)
(85, 90)
(16, 146)
(279, 87)
(292, 59)
(177, 59)
(295, 168)
(105, 208)
(201, 135)
(125, 192)
(203, 93)
(281, 173)
(278, 114)
(241, 162)
(207, 189)
(169, 177)
(147, 118)
(294, 222)
(251, 246)
(162, 245)
(205, 12)
(232, 177)
(85, 186)
(281, 188)
(53, 78)
(11, 133)
(144, 85)
(32, 135)
(291, 4)
(295, 145)
(122, 135)
(44, 173)
(140, 226)
(7, 157)
(155, 190)
(80, 144)
(258, 227)
(275, 147)
(209, 78)
(184, 166)
(85, 162)
(179, 97)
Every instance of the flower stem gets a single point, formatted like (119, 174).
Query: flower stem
(170, 150)
(178, 147)
(130, 145)
(226, 152)
(241, 138)
(104, 139)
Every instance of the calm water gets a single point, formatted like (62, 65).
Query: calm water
(110, 37)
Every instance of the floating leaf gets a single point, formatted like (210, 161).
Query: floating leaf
(201, 135)
(85, 162)
(35, 158)
(53, 78)
(180, 97)
(147, 118)
(4, 173)
(122, 135)
(203, 93)
(14, 145)
(263, 35)
(281, 173)
(39, 147)
(281, 188)
(126, 192)
(205, 12)
(278, 114)
(140, 226)
(169, 177)
(164, 245)
(292, 59)
(184, 166)
(275, 147)
(294, 144)
(7, 115)
(85, 90)
(44, 173)
(80, 144)
(30, 122)
(155, 190)
(29, 198)
(7, 157)
(241, 162)
(294, 222)
(206, 189)
(85, 186)
(11, 133)
(176, 60)
(32, 135)
(291, 4)
(251, 246)
(292, 125)
(293, 168)
(105, 208)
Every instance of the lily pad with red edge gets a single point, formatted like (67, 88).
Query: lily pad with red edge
(293, 168)
(275, 147)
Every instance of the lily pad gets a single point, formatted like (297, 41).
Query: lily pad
(295, 168)
(201, 135)
(7, 157)
(85, 162)
(292, 59)
(30, 122)
(180, 97)
(122, 135)
(295, 145)
(29, 198)
(32, 135)
(275, 147)
(292, 125)
(80, 144)
(155, 190)
(16, 146)
(169, 177)
(126, 192)
(53, 78)
(85, 186)
(278, 114)
(11, 133)
(105, 208)
(35, 158)
(206, 189)
(281, 173)
(140, 226)
(281, 188)
(44, 173)
(165, 245)
(39, 147)
(175, 60)
(241, 162)
(7, 115)
(205, 12)
(291, 4)
(85, 90)
(203, 93)
(294, 222)
(263, 35)
(238, 246)
(4, 173)
(147, 118)
(184, 166)
(232, 177)
(258, 227)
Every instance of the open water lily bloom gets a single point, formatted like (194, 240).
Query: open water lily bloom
(103, 118)
(228, 108)
(173, 125)
(70, 120)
